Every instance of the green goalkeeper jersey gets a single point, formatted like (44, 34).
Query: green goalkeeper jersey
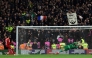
(67, 47)
(71, 46)
(75, 45)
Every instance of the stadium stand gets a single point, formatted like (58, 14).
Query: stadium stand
(25, 13)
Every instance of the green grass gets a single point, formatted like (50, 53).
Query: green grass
(45, 56)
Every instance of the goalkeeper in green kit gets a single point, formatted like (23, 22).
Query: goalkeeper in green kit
(70, 46)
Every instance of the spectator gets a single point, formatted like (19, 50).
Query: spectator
(1, 46)
(60, 38)
(24, 13)
(34, 46)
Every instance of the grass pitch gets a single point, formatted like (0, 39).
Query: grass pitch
(45, 56)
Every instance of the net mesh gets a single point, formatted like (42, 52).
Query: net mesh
(40, 35)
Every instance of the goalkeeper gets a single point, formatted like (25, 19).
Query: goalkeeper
(70, 46)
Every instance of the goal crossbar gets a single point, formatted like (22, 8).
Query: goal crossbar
(52, 26)
(55, 27)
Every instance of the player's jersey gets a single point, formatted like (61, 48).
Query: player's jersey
(7, 41)
(67, 47)
(71, 46)
(75, 45)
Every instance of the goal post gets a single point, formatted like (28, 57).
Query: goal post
(24, 30)
(17, 40)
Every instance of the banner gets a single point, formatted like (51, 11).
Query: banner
(77, 51)
(72, 18)
(89, 51)
(49, 51)
(3, 52)
(37, 51)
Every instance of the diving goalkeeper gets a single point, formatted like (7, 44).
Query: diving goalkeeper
(70, 46)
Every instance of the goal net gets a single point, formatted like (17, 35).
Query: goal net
(35, 37)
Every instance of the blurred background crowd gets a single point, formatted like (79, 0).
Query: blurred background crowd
(46, 38)
(24, 13)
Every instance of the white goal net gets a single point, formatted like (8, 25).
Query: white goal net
(38, 35)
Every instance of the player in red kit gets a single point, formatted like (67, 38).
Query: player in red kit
(7, 42)
(8, 45)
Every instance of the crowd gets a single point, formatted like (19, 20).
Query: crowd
(46, 38)
(24, 13)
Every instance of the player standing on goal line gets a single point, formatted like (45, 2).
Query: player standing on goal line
(70, 46)
(10, 46)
